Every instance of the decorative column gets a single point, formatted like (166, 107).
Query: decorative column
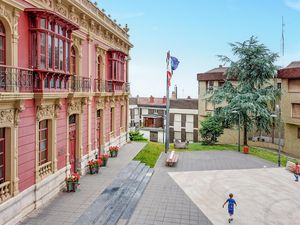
(89, 125)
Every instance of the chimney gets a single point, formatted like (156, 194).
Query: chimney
(189, 97)
(151, 99)
(220, 66)
(173, 96)
(164, 100)
(176, 91)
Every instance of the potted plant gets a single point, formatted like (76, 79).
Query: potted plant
(113, 150)
(104, 159)
(72, 182)
(94, 165)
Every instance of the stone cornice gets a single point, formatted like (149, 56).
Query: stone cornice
(15, 4)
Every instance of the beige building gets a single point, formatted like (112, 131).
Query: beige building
(290, 107)
(208, 81)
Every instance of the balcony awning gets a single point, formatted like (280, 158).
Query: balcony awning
(154, 116)
(56, 16)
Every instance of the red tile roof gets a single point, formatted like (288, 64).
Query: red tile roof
(214, 74)
(291, 71)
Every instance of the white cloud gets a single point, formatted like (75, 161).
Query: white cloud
(294, 4)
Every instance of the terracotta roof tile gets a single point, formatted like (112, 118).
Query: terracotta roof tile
(292, 71)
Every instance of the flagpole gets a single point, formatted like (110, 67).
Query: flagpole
(167, 109)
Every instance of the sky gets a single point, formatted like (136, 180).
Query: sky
(196, 31)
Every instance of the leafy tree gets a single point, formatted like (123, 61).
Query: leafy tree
(211, 129)
(136, 136)
(255, 94)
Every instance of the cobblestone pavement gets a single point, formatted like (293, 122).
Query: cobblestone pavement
(164, 202)
(66, 208)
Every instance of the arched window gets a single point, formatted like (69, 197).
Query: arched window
(2, 45)
(73, 61)
(99, 67)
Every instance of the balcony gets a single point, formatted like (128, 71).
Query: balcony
(116, 86)
(15, 79)
(99, 85)
(79, 84)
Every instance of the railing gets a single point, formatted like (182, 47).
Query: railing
(99, 85)
(45, 169)
(15, 79)
(112, 134)
(4, 191)
(79, 84)
(116, 86)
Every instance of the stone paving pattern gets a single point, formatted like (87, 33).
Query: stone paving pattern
(164, 202)
(66, 208)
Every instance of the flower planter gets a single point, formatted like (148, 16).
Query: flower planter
(93, 170)
(113, 154)
(246, 149)
(104, 163)
(71, 186)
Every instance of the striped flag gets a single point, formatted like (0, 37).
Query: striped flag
(170, 69)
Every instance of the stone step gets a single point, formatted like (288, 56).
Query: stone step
(126, 215)
(117, 198)
(93, 212)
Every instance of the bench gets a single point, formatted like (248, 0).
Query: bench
(290, 166)
(181, 145)
(172, 159)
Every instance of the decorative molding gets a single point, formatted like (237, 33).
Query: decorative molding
(74, 107)
(100, 51)
(112, 102)
(58, 107)
(61, 9)
(20, 107)
(6, 14)
(45, 112)
(83, 21)
(7, 117)
(47, 2)
(100, 104)
(73, 16)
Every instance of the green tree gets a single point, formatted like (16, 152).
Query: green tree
(211, 129)
(255, 93)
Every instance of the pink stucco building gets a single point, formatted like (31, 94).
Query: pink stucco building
(63, 96)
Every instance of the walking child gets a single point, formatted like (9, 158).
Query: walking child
(231, 202)
(296, 171)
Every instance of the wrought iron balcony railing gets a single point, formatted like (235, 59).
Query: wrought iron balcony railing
(116, 86)
(15, 79)
(79, 84)
(99, 85)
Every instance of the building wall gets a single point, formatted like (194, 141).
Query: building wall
(23, 41)
(20, 112)
(292, 141)
(61, 136)
(26, 146)
(230, 136)
(291, 124)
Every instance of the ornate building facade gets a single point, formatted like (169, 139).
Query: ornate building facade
(63, 96)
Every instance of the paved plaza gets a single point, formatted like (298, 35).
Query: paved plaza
(66, 208)
(192, 192)
(264, 196)
(164, 202)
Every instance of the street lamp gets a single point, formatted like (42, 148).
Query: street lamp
(277, 114)
(239, 136)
